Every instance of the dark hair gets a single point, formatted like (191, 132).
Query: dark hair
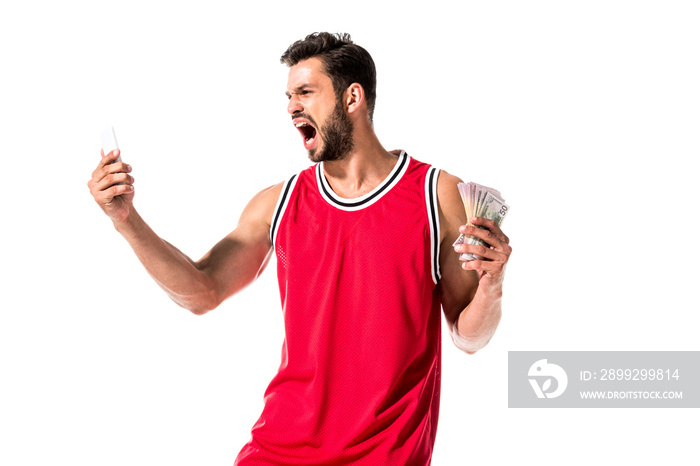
(343, 61)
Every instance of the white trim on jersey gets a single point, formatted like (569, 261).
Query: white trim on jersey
(281, 206)
(434, 219)
(365, 200)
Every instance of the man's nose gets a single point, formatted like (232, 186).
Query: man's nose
(294, 105)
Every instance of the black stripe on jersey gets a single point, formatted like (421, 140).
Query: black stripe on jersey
(432, 205)
(388, 182)
(280, 209)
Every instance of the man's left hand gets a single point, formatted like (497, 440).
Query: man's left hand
(492, 268)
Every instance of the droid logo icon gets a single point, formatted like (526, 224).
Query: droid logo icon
(540, 376)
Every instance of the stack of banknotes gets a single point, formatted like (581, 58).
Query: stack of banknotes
(480, 201)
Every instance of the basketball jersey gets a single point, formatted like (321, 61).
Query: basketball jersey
(359, 380)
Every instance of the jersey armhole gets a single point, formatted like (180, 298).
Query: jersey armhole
(431, 178)
(281, 206)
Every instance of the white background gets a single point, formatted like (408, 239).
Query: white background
(584, 115)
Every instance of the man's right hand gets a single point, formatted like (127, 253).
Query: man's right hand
(199, 286)
(112, 187)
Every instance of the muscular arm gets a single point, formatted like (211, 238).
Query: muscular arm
(471, 297)
(199, 286)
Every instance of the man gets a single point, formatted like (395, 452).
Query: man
(364, 262)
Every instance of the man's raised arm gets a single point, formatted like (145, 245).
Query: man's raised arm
(199, 286)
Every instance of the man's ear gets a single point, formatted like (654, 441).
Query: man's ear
(354, 97)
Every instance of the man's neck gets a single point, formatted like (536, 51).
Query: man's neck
(361, 170)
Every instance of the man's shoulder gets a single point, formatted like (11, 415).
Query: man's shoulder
(271, 197)
(272, 193)
(448, 182)
(262, 205)
(450, 202)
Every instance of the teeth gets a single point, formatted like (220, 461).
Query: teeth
(309, 141)
(300, 124)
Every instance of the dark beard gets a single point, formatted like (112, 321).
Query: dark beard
(336, 136)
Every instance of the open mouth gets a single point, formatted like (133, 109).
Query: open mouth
(308, 133)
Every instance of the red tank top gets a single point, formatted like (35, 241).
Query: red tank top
(359, 381)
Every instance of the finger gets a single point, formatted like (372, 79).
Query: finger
(483, 251)
(116, 167)
(488, 236)
(486, 223)
(111, 180)
(108, 195)
(109, 158)
(492, 268)
(104, 161)
(492, 226)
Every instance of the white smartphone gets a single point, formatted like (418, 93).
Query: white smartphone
(109, 141)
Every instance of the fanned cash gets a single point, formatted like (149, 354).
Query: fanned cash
(479, 201)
